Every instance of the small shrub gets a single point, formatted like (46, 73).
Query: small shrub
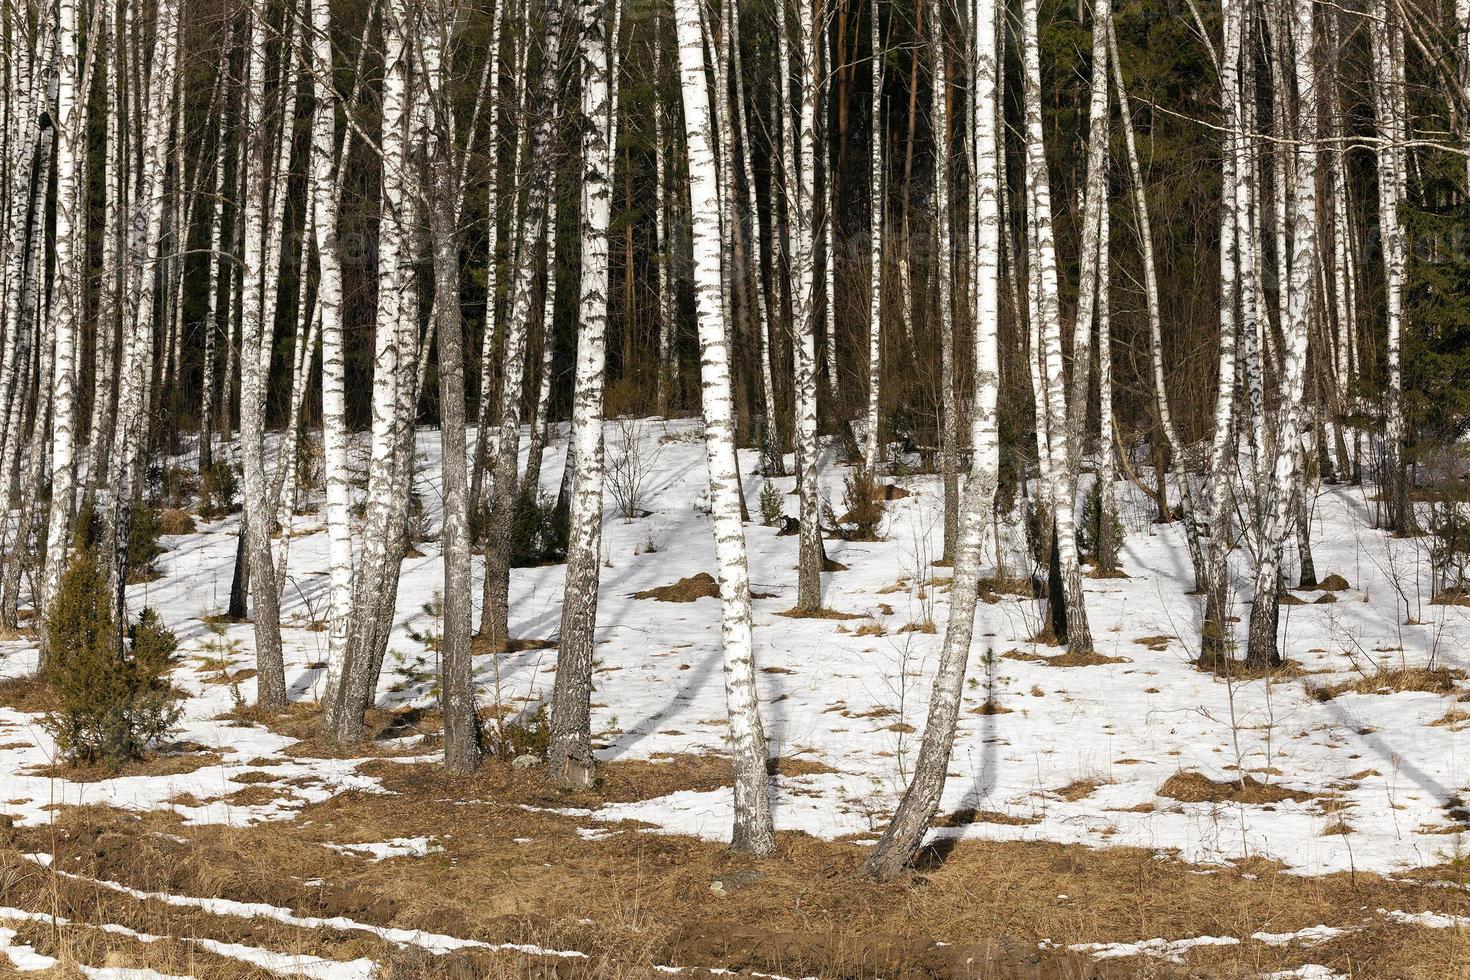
(1100, 532)
(630, 464)
(538, 536)
(175, 521)
(179, 486)
(865, 508)
(530, 734)
(107, 704)
(772, 509)
(144, 529)
(1448, 528)
(219, 484)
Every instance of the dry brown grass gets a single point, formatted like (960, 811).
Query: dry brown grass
(1156, 643)
(27, 693)
(512, 871)
(1077, 789)
(1195, 787)
(1068, 659)
(834, 614)
(1435, 680)
(174, 521)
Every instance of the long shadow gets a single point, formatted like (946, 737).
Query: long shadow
(695, 678)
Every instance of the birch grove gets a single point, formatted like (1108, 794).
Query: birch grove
(450, 283)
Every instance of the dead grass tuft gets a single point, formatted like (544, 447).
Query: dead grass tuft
(1069, 659)
(175, 521)
(1435, 680)
(1196, 787)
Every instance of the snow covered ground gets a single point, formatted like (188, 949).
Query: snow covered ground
(1071, 754)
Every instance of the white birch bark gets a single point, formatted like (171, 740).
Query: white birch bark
(1387, 47)
(70, 249)
(255, 347)
(905, 833)
(753, 831)
(1048, 314)
(801, 206)
(495, 611)
(571, 762)
(1285, 480)
(877, 209)
(322, 190)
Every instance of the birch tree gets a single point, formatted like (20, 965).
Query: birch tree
(1047, 314)
(570, 759)
(753, 831)
(495, 610)
(1284, 481)
(905, 832)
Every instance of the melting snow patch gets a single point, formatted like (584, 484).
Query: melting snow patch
(1430, 920)
(1310, 936)
(1311, 971)
(22, 957)
(397, 847)
(1164, 949)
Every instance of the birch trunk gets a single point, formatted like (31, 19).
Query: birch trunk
(1048, 314)
(495, 611)
(801, 189)
(571, 763)
(877, 208)
(753, 831)
(323, 193)
(255, 348)
(1387, 46)
(457, 684)
(905, 833)
(1285, 480)
(67, 301)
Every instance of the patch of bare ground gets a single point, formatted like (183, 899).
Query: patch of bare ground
(819, 614)
(1069, 659)
(969, 815)
(1225, 666)
(1077, 789)
(26, 693)
(171, 760)
(1452, 597)
(990, 706)
(699, 586)
(1196, 787)
(302, 720)
(514, 871)
(1434, 680)
(1157, 643)
(481, 645)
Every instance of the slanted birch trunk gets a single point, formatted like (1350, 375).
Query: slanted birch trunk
(905, 833)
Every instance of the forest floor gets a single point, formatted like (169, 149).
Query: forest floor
(1122, 815)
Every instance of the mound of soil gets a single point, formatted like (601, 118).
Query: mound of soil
(698, 586)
